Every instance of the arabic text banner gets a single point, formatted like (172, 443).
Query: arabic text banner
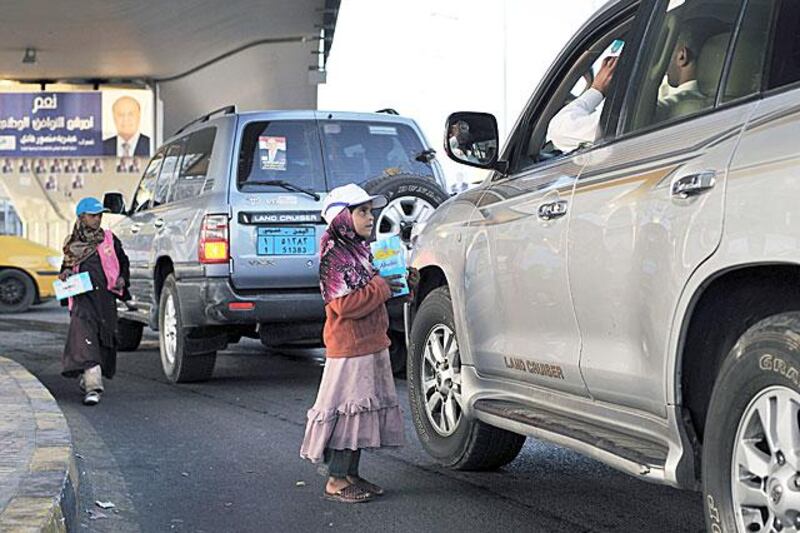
(50, 124)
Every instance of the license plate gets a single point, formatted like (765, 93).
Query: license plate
(286, 241)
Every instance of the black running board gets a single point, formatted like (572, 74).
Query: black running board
(622, 451)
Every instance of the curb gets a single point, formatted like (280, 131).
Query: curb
(39, 460)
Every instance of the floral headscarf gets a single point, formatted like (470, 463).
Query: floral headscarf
(81, 244)
(345, 263)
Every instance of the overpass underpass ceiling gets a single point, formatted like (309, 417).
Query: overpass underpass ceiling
(148, 39)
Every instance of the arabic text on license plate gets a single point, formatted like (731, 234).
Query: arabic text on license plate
(286, 241)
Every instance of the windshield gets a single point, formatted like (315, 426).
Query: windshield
(355, 152)
(358, 151)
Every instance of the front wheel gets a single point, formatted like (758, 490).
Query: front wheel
(179, 366)
(436, 398)
(751, 450)
(17, 291)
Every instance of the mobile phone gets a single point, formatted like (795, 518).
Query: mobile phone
(616, 48)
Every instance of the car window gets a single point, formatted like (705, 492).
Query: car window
(168, 174)
(280, 150)
(571, 116)
(681, 68)
(10, 223)
(144, 193)
(785, 62)
(358, 151)
(192, 178)
(746, 71)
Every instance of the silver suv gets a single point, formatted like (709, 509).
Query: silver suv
(223, 229)
(636, 298)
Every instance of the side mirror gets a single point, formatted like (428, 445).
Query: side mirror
(114, 202)
(472, 139)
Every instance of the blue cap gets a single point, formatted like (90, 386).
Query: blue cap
(90, 205)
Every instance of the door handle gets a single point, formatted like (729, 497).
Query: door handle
(159, 223)
(135, 228)
(694, 184)
(552, 210)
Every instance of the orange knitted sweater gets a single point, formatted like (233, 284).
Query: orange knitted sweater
(356, 324)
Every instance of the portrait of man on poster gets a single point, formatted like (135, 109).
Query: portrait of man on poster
(128, 141)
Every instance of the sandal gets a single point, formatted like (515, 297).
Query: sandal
(372, 488)
(350, 494)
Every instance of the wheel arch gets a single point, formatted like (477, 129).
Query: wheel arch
(724, 306)
(430, 278)
(164, 267)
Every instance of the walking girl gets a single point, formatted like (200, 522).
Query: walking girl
(91, 351)
(356, 406)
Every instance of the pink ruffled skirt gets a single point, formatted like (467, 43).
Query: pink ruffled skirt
(356, 407)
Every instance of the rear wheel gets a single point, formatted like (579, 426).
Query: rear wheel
(17, 291)
(435, 395)
(751, 448)
(179, 366)
(129, 335)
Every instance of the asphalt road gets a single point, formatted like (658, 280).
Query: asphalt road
(223, 456)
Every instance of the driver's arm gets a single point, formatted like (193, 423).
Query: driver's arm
(577, 122)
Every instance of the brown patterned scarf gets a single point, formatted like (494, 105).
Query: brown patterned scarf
(81, 244)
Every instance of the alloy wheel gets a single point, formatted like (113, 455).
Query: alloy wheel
(765, 469)
(441, 380)
(170, 330)
(400, 215)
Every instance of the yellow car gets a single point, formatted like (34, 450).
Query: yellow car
(27, 273)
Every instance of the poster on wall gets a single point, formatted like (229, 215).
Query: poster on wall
(127, 123)
(74, 124)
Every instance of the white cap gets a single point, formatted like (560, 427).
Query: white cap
(346, 196)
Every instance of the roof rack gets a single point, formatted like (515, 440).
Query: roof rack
(388, 111)
(227, 110)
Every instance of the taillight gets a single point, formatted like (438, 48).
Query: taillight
(214, 240)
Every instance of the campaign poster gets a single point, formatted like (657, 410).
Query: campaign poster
(112, 122)
(50, 124)
(127, 124)
(272, 152)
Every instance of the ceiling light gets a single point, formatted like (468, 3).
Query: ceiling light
(30, 56)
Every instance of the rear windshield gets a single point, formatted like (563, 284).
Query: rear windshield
(357, 151)
(354, 152)
(284, 150)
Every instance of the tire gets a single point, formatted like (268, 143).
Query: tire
(129, 335)
(411, 199)
(470, 444)
(398, 352)
(17, 291)
(179, 366)
(758, 380)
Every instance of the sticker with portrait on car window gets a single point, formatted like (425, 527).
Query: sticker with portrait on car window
(272, 152)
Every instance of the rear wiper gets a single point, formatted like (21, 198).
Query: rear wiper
(426, 156)
(286, 185)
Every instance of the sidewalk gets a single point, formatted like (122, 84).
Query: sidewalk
(37, 469)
